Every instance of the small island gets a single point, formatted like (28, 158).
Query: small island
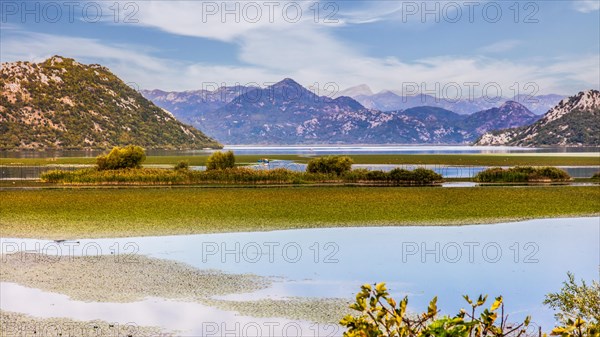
(123, 165)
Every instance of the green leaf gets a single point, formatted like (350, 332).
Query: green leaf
(380, 288)
(432, 310)
(496, 303)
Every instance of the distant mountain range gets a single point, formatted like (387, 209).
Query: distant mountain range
(188, 105)
(62, 104)
(575, 121)
(287, 113)
(388, 100)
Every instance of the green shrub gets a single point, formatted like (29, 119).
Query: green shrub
(399, 176)
(379, 315)
(578, 308)
(522, 169)
(331, 164)
(596, 176)
(182, 165)
(552, 173)
(130, 156)
(417, 176)
(377, 176)
(426, 176)
(357, 175)
(220, 161)
(520, 174)
(576, 301)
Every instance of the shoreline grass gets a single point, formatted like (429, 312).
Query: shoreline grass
(584, 159)
(71, 213)
(239, 176)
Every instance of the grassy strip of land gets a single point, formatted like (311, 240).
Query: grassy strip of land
(239, 176)
(193, 160)
(587, 159)
(94, 213)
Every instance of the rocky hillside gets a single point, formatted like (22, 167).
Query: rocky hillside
(419, 125)
(62, 104)
(287, 113)
(509, 115)
(575, 121)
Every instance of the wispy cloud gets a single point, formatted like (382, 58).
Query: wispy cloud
(224, 21)
(7, 26)
(274, 47)
(500, 46)
(23, 45)
(586, 6)
(334, 63)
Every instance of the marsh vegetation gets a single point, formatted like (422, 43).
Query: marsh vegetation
(522, 174)
(123, 166)
(118, 212)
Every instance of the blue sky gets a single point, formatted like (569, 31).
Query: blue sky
(531, 46)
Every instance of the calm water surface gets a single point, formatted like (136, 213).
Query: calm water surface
(321, 150)
(522, 261)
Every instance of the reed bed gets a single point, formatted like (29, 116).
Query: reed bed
(521, 174)
(238, 175)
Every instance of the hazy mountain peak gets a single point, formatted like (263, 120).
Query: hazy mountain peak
(387, 93)
(511, 104)
(515, 108)
(361, 89)
(287, 82)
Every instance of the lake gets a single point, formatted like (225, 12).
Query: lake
(447, 171)
(399, 149)
(33, 172)
(521, 261)
(320, 150)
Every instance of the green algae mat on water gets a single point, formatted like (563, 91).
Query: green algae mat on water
(122, 212)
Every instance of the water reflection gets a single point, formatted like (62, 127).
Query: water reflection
(522, 261)
(188, 318)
